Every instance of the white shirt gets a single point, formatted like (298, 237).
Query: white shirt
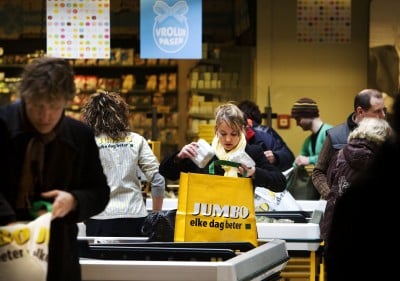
(121, 160)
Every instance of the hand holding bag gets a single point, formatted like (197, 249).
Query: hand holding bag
(24, 250)
(213, 208)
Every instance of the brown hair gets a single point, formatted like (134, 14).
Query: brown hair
(363, 98)
(107, 113)
(47, 78)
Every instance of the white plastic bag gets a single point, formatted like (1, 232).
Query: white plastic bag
(266, 200)
(204, 154)
(243, 158)
(24, 250)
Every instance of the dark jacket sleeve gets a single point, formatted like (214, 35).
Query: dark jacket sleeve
(282, 152)
(7, 214)
(94, 194)
(269, 139)
(266, 175)
(171, 167)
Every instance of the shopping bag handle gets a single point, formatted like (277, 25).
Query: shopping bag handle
(211, 168)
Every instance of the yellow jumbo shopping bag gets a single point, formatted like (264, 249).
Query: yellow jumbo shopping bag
(214, 208)
(24, 250)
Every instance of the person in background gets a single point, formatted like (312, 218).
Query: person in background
(275, 149)
(383, 66)
(47, 156)
(122, 152)
(363, 227)
(352, 160)
(230, 130)
(367, 103)
(305, 112)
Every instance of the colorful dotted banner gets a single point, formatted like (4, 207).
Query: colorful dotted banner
(78, 29)
(324, 21)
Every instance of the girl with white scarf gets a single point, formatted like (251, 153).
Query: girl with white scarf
(229, 139)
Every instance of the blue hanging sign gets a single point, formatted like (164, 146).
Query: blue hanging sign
(171, 29)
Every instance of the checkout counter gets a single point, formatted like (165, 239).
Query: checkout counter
(117, 259)
(299, 229)
(113, 258)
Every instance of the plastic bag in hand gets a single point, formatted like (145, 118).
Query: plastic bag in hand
(242, 158)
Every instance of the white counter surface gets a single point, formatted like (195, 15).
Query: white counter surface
(257, 264)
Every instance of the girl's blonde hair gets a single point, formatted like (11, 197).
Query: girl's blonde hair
(231, 115)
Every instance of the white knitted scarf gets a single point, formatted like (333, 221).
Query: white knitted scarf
(222, 154)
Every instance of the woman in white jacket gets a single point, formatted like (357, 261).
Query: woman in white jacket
(122, 153)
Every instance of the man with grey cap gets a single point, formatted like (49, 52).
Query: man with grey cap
(305, 112)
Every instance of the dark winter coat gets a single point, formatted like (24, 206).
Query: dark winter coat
(364, 227)
(72, 164)
(351, 161)
(269, 139)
